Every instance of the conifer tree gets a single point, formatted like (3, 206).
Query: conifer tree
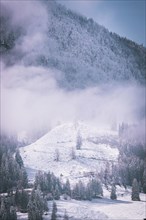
(88, 192)
(13, 215)
(135, 191)
(19, 158)
(56, 192)
(67, 189)
(35, 206)
(113, 193)
(73, 154)
(144, 180)
(57, 155)
(3, 211)
(65, 217)
(78, 141)
(54, 212)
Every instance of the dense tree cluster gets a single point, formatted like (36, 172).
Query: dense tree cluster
(21, 200)
(54, 188)
(36, 205)
(13, 173)
(49, 184)
(7, 209)
(131, 162)
(92, 190)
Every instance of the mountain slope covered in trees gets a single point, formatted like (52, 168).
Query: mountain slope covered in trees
(86, 53)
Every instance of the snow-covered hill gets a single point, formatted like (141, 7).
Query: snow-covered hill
(56, 151)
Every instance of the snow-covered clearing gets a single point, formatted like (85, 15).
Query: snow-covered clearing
(121, 209)
(98, 209)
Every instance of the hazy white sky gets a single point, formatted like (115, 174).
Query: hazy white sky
(124, 17)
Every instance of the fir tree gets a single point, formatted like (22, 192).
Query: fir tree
(73, 154)
(135, 191)
(88, 192)
(19, 158)
(56, 192)
(144, 180)
(13, 215)
(67, 189)
(78, 141)
(57, 155)
(65, 217)
(54, 212)
(24, 199)
(113, 193)
(35, 206)
(3, 211)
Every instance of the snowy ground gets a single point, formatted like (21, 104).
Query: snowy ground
(100, 209)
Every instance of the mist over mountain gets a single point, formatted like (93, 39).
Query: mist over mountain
(58, 65)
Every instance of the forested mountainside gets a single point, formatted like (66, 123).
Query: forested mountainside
(86, 53)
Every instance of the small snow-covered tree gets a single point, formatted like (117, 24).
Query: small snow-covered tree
(19, 158)
(73, 154)
(54, 211)
(78, 141)
(35, 206)
(13, 215)
(67, 188)
(65, 217)
(3, 210)
(113, 193)
(135, 191)
(56, 193)
(144, 180)
(57, 155)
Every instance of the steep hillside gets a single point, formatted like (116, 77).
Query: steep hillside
(57, 150)
(86, 53)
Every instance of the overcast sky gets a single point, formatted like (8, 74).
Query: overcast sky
(124, 17)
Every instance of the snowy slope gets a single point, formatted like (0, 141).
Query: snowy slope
(61, 140)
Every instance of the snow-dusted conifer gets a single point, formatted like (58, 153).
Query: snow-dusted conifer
(113, 193)
(73, 154)
(65, 217)
(78, 141)
(19, 158)
(135, 191)
(54, 211)
(144, 180)
(57, 155)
